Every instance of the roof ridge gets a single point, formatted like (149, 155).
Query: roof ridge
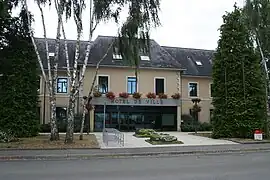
(196, 49)
(72, 40)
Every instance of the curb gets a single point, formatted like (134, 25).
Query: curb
(46, 149)
(123, 155)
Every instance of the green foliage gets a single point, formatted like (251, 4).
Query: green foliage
(62, 125)
(163, 138)
(18, 90)
(144, 133)
(7, 136)
(189, 124)
(238, 83)
(257, 15)
(156, 138)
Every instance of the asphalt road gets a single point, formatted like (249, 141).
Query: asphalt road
(248, 166)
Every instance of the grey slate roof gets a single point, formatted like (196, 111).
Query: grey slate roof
(160, 58)
(187, 58)
(62, 56)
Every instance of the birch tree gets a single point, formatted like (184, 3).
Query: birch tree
(133, 36)
(143, 14)
(51, 79)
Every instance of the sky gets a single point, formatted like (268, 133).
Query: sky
(184, 23)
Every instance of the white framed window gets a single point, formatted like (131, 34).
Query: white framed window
(51, 54)
(132, 86)
(145, 58)
(117, 56)
(198, 62)
(103, 82)
(193, 89)
(62, 85)
(159, 85)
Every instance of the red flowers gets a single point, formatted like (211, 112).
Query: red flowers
(110, 95)
(162, 96)
(151, 95)
(176, 96)
(123, 95)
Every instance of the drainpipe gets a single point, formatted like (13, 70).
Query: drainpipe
(181, 92)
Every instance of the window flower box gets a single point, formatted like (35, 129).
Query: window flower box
(110, 95)
(151, 95)
(123, 95)
(136, 95)
(97, 94)
(176, 96)
(162, 96)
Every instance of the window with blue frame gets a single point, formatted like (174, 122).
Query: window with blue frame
(131, 85)
(62, 85)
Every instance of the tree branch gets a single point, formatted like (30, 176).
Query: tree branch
(46, 46)
(34, 43)
(79, 31)
(94, 27)
(87, 49)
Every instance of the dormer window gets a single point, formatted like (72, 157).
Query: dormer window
(145, 58)
(117, 56)
(199, 63)
(51, 54)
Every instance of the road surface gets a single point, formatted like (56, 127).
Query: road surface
(250, 166)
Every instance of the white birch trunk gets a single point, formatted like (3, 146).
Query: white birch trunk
(71, 106)
(91, 30)
(54, 130)
(34, 43)
(88, 99)
(66, 52)
(56, 58)
(83, 119)
(54, 133)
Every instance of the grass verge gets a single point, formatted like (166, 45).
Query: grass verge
(236, 140)
(162, 142)
(43, 142)
(247, 141)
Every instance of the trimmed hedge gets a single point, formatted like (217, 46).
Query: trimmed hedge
(188, 124)
(62, 125)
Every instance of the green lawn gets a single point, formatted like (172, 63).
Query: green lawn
(42, 142)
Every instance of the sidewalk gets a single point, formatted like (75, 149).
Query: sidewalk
(187, 139)
(127, 152)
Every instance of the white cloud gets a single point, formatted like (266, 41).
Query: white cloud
(185, 23)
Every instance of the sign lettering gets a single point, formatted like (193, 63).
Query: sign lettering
(119, 101)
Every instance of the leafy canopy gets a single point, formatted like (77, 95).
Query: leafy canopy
(238, 83)
(18, 90)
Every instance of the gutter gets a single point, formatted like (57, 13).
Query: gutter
(152, 68)
(191, 76)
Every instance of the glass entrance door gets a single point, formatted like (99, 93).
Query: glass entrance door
(127, 121)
